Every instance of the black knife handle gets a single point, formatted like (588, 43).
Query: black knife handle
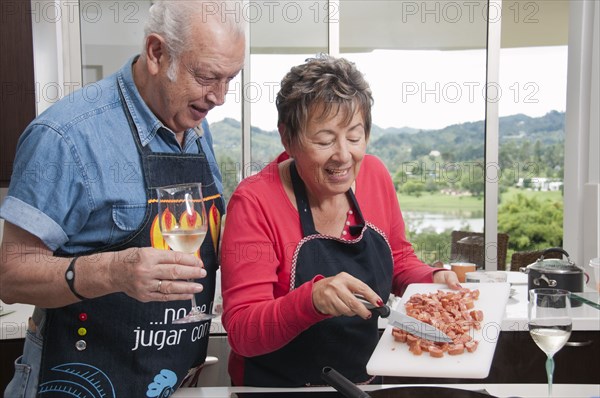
(342, 384)
(383, 311)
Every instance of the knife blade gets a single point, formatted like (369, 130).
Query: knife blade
(407, 323)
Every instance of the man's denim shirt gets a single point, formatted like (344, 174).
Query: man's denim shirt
(77, 182)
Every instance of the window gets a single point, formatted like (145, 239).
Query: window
(301, 32)
(436, 35)
(426, 64)
(532, 94)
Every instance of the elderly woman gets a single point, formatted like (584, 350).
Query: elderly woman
(314, 228)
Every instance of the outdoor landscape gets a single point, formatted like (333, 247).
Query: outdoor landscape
(438, 175)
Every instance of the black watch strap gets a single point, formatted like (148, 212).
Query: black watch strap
(70, 278)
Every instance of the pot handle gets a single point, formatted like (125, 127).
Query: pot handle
(549, 282)
(556, 250)
(342, 384)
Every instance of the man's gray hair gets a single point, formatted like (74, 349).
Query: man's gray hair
(173, 20)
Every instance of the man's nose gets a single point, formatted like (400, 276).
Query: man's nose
(217, 93)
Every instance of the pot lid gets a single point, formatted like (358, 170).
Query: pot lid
(554, 265)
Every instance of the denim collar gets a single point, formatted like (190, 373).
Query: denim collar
(146, 122)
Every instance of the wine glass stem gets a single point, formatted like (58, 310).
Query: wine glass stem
(194, 305)
(550, 373)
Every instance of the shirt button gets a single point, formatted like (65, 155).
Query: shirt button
(350, 212)
(81, 345)
(82, 331)
(83, 317)
(344, 232)
(347, 222)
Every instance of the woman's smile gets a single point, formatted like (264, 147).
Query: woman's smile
(337, 174)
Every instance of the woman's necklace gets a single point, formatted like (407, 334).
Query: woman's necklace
(332, 219)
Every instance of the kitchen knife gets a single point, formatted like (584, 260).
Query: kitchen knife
(407, 323)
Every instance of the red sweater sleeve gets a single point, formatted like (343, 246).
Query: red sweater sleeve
(258, 314)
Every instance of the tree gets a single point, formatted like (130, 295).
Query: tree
(231, 174)
(531, 223)
(414, 188)
(538, 152)
(472, 181)
(431, 246)
(400, 178)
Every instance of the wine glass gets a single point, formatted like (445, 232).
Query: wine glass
(183, 225)
(549, 314)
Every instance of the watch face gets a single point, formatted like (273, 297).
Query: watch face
(69, 275)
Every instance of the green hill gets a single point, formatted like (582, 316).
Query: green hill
(522, 139)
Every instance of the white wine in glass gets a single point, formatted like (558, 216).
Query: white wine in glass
(183, 225)
(183, 241)
(550, 323)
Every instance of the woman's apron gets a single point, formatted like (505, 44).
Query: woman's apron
(344, 343)
(116, 346)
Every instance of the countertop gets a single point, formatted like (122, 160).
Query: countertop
(13, 325)
(585, 317)
(497, 390)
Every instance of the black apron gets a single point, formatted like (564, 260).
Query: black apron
(116, 346)
(344, 343)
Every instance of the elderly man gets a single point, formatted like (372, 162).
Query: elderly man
(85, 249)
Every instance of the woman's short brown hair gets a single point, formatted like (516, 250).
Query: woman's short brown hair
(325, 82)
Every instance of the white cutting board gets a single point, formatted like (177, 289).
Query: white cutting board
(391, 358)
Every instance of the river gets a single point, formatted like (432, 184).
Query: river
(417, 221)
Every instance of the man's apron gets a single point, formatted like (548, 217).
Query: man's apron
(116, 346)
(344, 343)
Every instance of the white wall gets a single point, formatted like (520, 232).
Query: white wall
(591, 194)
(582, 130)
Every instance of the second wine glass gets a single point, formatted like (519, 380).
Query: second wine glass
(183, 225)
(550, 323)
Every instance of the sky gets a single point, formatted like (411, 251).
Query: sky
(423, 89)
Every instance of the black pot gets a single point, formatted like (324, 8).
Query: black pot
(555, 273)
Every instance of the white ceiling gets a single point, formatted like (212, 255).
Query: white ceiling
(300, 26)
